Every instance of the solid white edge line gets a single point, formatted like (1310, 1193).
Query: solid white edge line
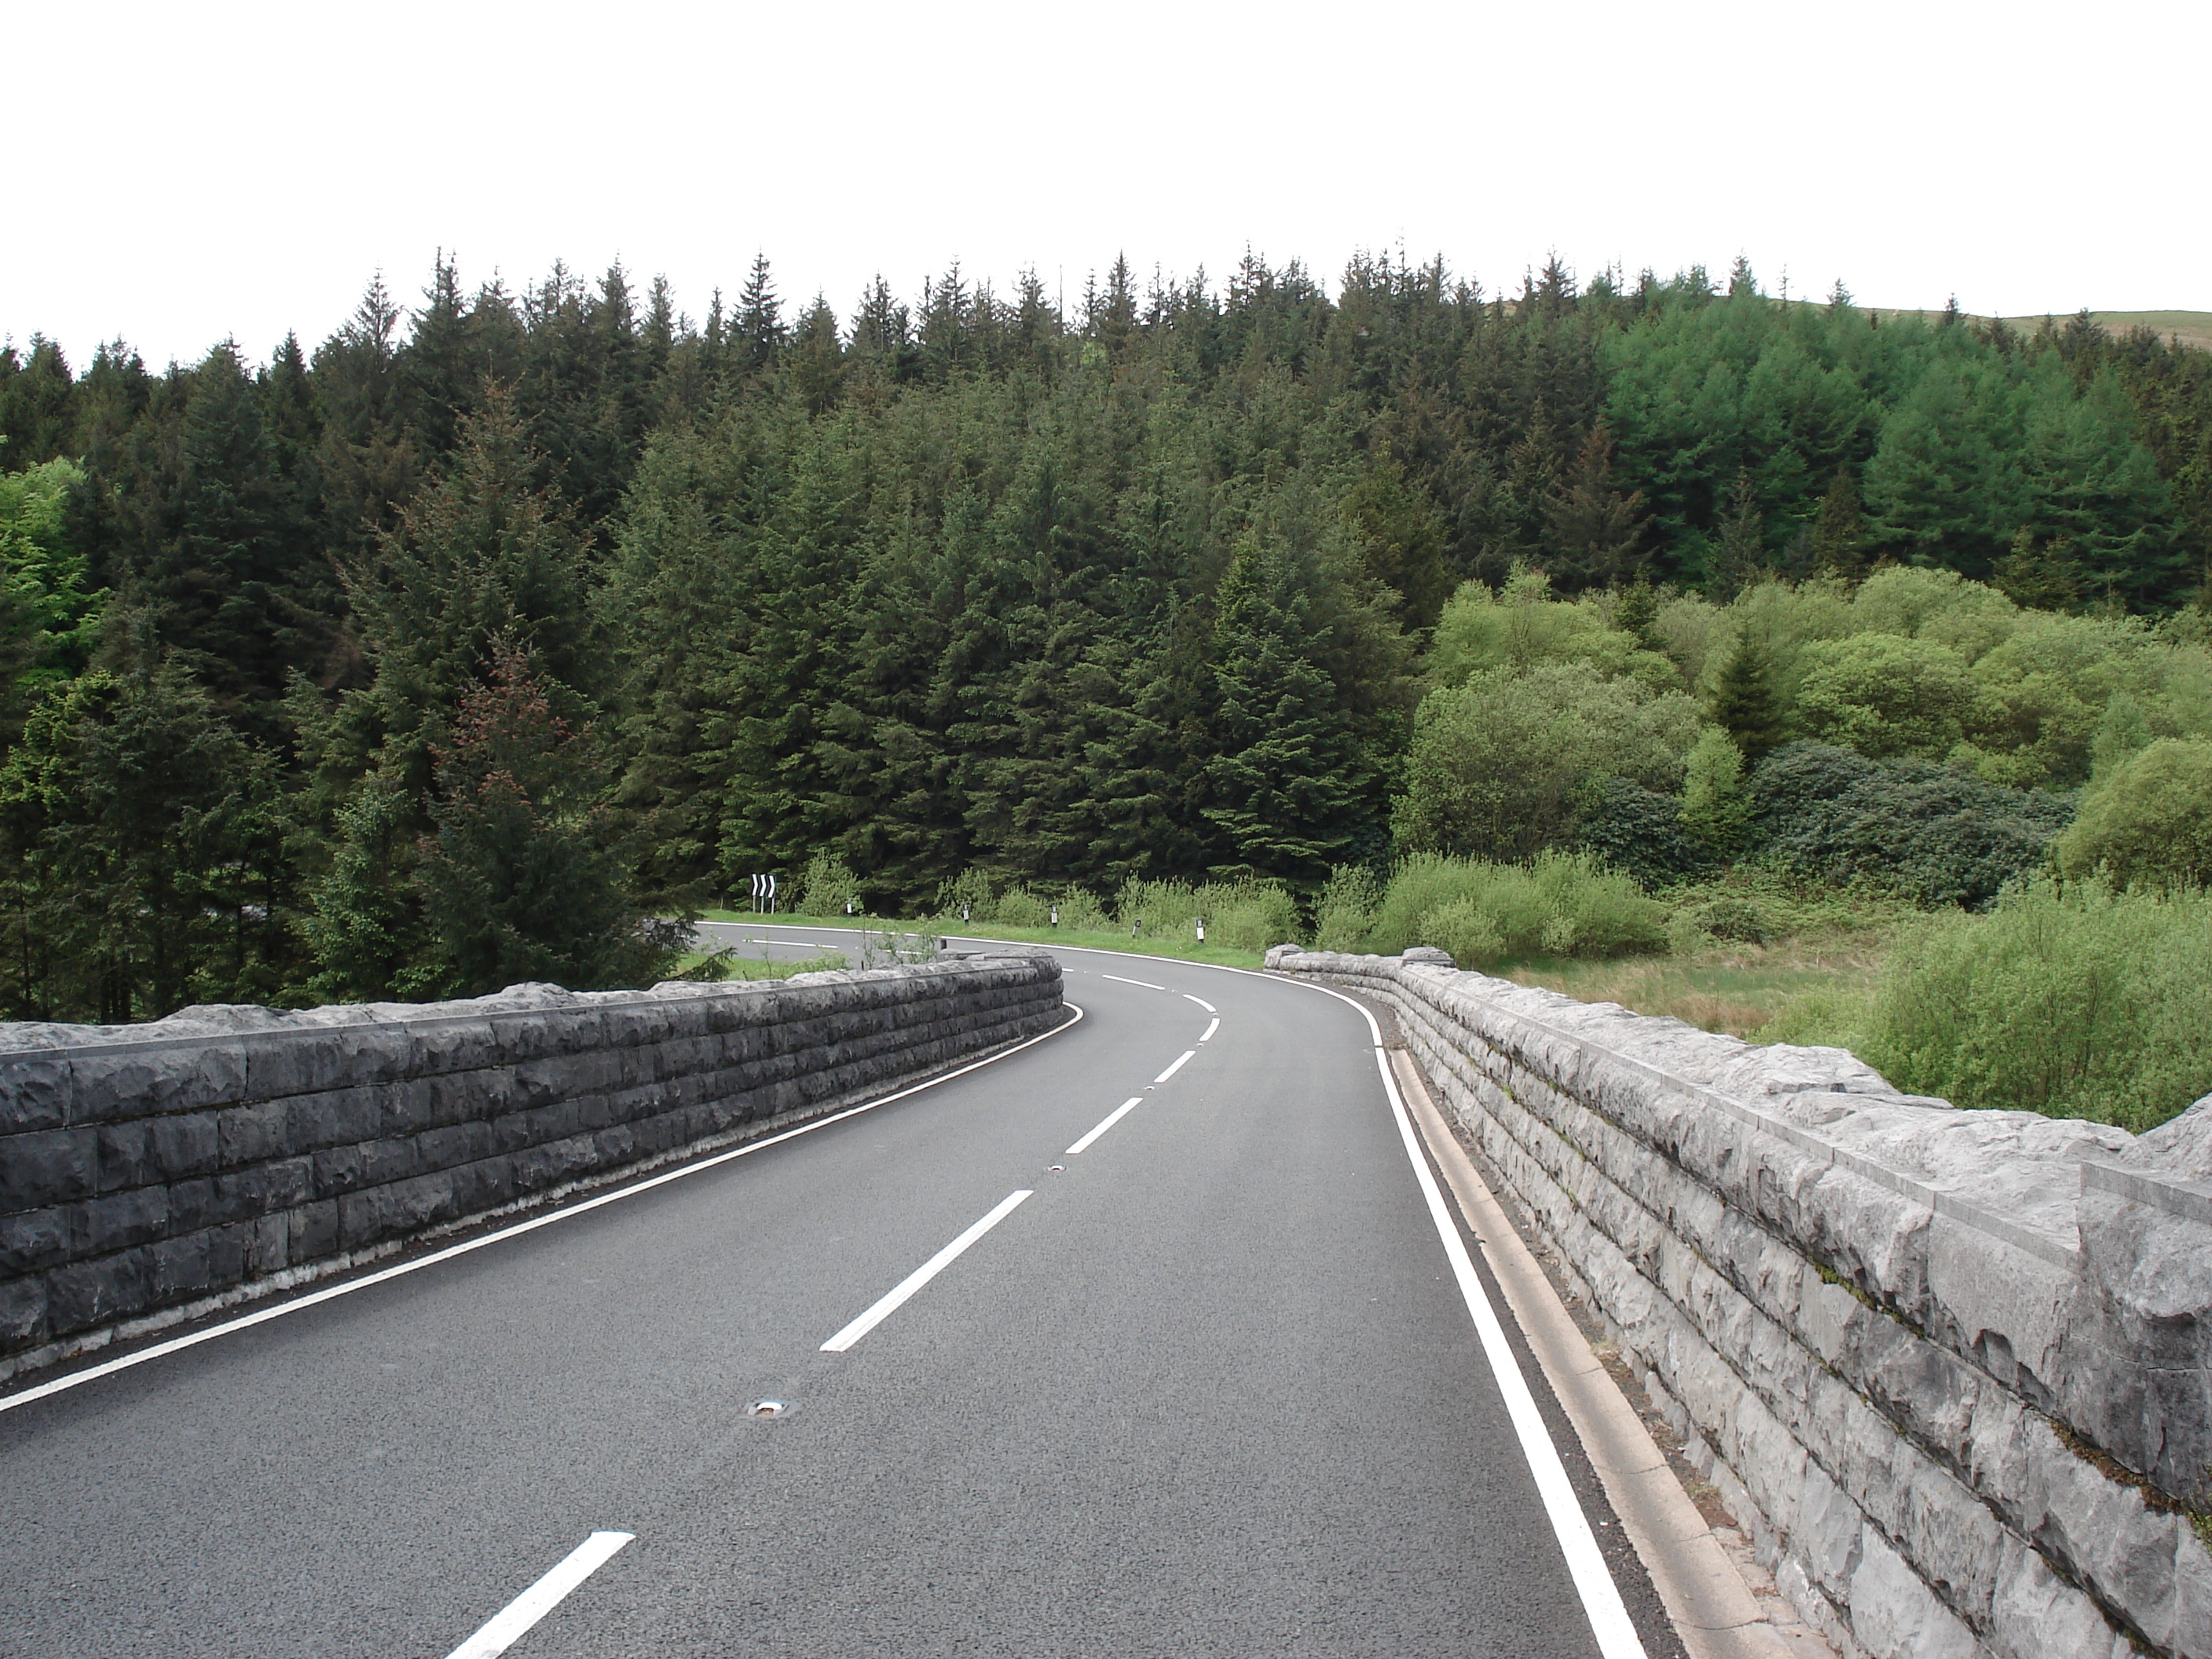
(175, 1345)
(1202, 1001)
(1178, 1066)
(906, 1287)
(1593, 1581)
(1600, 1596)
(1111, 1119)
(1616, 1636)
(1212, 1029)
(514, 1620)
(1118, 979)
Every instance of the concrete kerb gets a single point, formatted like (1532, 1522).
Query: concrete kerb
(1711, 1607)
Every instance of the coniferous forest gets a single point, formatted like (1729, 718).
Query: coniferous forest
(474, 642)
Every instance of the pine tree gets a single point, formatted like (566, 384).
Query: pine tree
(519, 882)
(2042, 575)
(1292, 790)
(441, 384)
(1592, 530)
(759, 333)
(1403, 538)
(1738, 555)
(1837, 544)
(1744, 704)
(142, 871)
(483, 555)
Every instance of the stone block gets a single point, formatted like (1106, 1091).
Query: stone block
(23, 1313)
(315, 1230)
(101, 1226)
(112, 1079)
(185, 1145)
(251, 1133)
(262, 1189)
(456, 1143)
(334, 1117)
(44, 1167)
(181, 1268)
(126, 1156)
(392, 1211)
(84, 1296)
(32, 1240)
(35, 1092)
(368, 1164)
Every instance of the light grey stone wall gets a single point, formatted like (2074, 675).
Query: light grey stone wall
(1955, 1369)
(173, 1166)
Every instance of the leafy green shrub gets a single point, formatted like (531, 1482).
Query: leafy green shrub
(1018, 907)
(1081, 912)
(1935, 833)
(1462, 927)
(1346, 910)
(1245, 915)
(1733, 918)
(2150, 821)
(972, 889)
(1880, 694)
(1636, 829)
(2073, 1001)
(1561, 904)
(1494, 765)
(826, 886)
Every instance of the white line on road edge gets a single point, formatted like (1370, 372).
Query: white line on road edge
(1600, 1596)
(921, 1276)
(1111, 1119)
(1202, 1002)
(1146, 983)
(263, 1315)
(1178, 1066)
(515, 1620)
(1213, 1028)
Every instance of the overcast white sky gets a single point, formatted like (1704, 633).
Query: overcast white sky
(187, 171)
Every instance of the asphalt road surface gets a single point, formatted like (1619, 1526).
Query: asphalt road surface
(1208, 1386)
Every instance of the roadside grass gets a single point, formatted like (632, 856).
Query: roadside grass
(1739, 989)
(1821, 950)
(1787, 951)
(688, 966)
(1149, 945)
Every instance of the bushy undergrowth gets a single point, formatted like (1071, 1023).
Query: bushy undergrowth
(1934, 833)
(1244, 915)
(1560, 904)
(2149, 822)
(2071, 1001)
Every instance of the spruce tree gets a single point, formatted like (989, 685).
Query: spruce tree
(1744, 704)
(1291, 790)
(1592, 530)
(520, 881)
(1738, 556)
(1837, 544)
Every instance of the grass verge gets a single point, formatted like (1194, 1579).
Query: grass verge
(1149, 945)
(1739, 989)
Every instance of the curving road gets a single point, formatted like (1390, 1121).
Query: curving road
(1208, 1385)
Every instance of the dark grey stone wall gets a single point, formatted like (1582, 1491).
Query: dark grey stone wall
(1952, 1369)
(161, 1167)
